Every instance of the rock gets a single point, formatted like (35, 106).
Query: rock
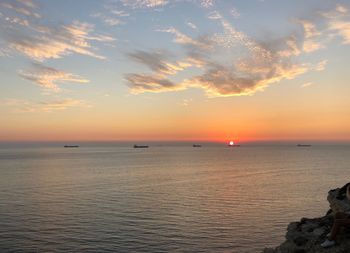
(329, 211)
(268, 250)
(306, 235)
(319, 231)
(299, 251)
(300, 240)
(336, 204)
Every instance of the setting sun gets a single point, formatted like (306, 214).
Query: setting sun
(231, 143)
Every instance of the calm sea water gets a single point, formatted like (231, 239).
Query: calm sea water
(161, 199)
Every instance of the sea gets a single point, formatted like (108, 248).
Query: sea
(165, 198)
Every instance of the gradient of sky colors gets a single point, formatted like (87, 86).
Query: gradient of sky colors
(212, 70)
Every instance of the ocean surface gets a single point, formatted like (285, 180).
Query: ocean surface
(165, 198)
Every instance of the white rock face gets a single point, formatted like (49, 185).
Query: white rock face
(306, 235)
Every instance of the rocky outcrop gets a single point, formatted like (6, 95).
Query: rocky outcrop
(306, 235)
(338, 201)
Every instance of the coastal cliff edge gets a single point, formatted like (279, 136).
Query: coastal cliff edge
(306, 235)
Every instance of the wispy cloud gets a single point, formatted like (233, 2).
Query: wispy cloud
(50, 78)
(186, 102)
(39, 41)
(259, 64)
(342, 29)
(26, 106)
(157, 62)
(341, 9)
(311, 37)
(120, 13)
(235, 13)
(140, 83)
(111, 15)
(190, 24)
(161, 68)
(108, 20)
(24, 7)
(320, 66)
(308, 84)
(179, 37)
(54, 42)
(207, 3)
(144, 3)
(214, 15)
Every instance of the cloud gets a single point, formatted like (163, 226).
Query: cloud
(193, 26)
(157, 62)
(341, 9)
(40, 42)
(140, 83)
(309, 29)
(135, 4)
(207, 3)
(180, 37)
(234, 13)
(108, 20)
(215, 15)
(18, 21)
(311, 45)
(337, 23)
(257, 64)
(54, 42)
(161, 68)
(186, 102)
(221, 80)
(120, 13)
(342, 29)
(311, 36)
(23, 7)
(25, 106)
(49, 78)
(292, 47)
(4, 52)
(320, 66)
(111, 15)
(307, 84)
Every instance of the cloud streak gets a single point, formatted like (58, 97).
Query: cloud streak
(40, 42)
(259, 65)
(135, 4)
(140, 83)
(26, 106)
(157, 62)
(234, 64)
(55, 42)
(182, 38)
(342, 29)
(50, 78)
(23, 7)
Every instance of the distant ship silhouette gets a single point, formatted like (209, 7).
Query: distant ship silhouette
(196, 145)
(71, 146)
(140, 146)
(304, 145)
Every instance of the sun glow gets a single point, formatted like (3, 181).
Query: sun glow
(231, 143)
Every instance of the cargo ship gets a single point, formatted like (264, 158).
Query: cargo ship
(140, 146)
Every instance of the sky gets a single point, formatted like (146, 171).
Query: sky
(206, 70)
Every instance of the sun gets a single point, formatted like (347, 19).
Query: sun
(231, 143)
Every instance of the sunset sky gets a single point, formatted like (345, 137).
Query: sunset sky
(210, 70)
